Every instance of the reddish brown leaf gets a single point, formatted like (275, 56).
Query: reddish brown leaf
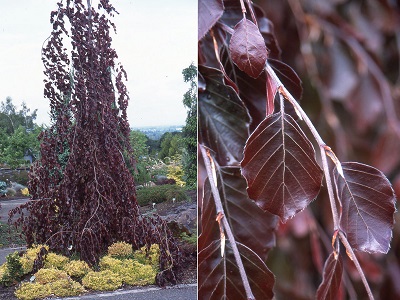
(368, 206)
(365, 103)
(248, 48)
(250, 225)
(332, 278)
(251, 90)
(279, 164)
(267, 31)
(209, 13)
(223, 118)
(385, 154)
(209, 227)
(341, 72)
(219, 277)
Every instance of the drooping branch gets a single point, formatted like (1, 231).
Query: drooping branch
(325, 150)
(221, 215)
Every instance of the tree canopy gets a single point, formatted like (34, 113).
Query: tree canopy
(18, 134)
(190, 128)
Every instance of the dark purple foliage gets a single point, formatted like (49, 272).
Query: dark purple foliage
(83, 193)
(254, 137)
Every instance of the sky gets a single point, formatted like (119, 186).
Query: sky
(155, 41)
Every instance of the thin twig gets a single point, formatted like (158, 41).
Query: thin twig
(317, 137)
(220, 210)
(325, 150)
(353, 257)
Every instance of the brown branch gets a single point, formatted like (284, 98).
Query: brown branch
(220, 211)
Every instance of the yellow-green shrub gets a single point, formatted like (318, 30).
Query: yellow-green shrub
(105, 280)
(109, 263)
(120, 250)
(77, 268)
(135, 273)
(44, 275)
(12, 270)
(29, 257)
(131, 271)
(30, 291)
(25, 192)
(3, 270)
(151, 257)
(66, 287)
(55, 261)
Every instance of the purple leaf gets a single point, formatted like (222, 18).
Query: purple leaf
(365, 103)
(248, 48)
(223, 119)
(209, 226)
(251, 90)
(219, 277)
(209, 13)
(279, 164)
(250, 225)
(368, 206)
(332, 278)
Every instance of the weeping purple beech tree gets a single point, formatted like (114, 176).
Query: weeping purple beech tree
(83, 193)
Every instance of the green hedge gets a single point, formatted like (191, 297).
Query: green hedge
(160, 193)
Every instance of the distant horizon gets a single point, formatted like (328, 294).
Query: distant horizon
(155, 82)
(152, 126)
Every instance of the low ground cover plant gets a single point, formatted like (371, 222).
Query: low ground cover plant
(61, 276)
(160, 193)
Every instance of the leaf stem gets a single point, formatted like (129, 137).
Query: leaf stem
(353, 257)
(253, 16)
(321, 143)
(243, 8)
(325, 150)
(220, 210)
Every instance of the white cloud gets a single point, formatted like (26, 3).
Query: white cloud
(155, 41)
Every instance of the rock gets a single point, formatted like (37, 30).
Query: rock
(183, 219)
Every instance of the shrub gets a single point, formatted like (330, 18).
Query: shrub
(109, 263)
(10, 192)
(77, 268)
(105, 280)
(55, 261)
(3, 187)
(148, 257)
(27, 260)
(3, 270)
(191, 239)
(25, 192)
(30, 291)
(44, 275)
(175, 172)
(131, 271)
(160, 193)
(12, 270)
(135, 273)
(120, 250)
(66, 287)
